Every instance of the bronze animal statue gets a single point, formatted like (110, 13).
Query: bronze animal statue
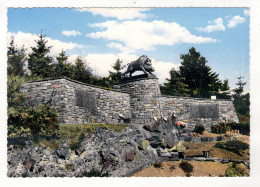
(143, 63)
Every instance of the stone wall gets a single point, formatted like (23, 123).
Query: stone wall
(79, 103)
(137, 99)
(182, 107)
(144, 97)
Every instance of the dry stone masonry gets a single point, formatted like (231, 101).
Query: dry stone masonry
(78, 103)
(137, 100)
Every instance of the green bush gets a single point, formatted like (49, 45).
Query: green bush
(221, 128)
(96, 173)
(40, 120)
(157, 164)
(235, 146)
(199, 129)
(244, 128)
(235, 171)
(186, 167)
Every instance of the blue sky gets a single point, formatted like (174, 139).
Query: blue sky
(99, 35)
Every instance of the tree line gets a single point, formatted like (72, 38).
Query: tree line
(194, 78)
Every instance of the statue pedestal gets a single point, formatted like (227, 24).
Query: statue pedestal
(144, 96)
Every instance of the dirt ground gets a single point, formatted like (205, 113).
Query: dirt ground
(200, 169)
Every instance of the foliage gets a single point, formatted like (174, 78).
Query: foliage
(16, 60)
(225, 85)
(241, 85)
(75, 144)
(175, 85)
(62, 68)
(244, 128)
(22, 121)
(242, 104)
(221, 128)
(199, 129)
(198, 76)
(82, 72)
(194, 78)
(233, 135)
(157, 164)
(115, 77)
(39, 63)
(234, 146)
(96, 173)
(235, 171)
(41, 120)
(186, 167)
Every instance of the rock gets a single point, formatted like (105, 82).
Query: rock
(64, 153)
(129, 156)
(29, 164)
(46, 152)
(80, 150)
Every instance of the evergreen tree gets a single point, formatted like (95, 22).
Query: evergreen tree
(241, 85)
(62, 68)
(175, 85)
(16, 60)
(198, 76)
(82, 72)
(39, 63)
(116, 76)
(225, 85)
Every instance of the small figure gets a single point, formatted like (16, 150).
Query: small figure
(174, 119)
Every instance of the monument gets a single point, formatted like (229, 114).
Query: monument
(136, 98)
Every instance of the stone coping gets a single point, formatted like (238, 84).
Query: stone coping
(78, 82)
(198, 98)
(135, 78)
(120, 91)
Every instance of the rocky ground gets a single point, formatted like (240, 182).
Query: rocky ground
(102, 153)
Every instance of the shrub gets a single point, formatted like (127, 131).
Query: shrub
(23, 121)
(186, 167)
(235, 171)
(157, 165)
(244, 128)
(96, 173)
(236, 147)
(199, 129)
(75, 145)
(221, 128)
(41, 120)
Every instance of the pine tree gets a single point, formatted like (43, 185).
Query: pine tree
(175, 85)
(39, 63)
(198, 76)
(116, 76)
(82, 72)
(62, 68)
(241, 85)
(225, 85)
(16, 60)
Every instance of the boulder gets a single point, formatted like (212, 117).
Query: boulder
(63, 153)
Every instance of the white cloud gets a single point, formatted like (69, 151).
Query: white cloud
(71, 33)
(102, 64)
(246, 12)
(217, 25)
(234, 21)
(141, 35)
(118, 13)
(28, 40)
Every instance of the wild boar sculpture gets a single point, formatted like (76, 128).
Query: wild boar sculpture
(143, 63)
